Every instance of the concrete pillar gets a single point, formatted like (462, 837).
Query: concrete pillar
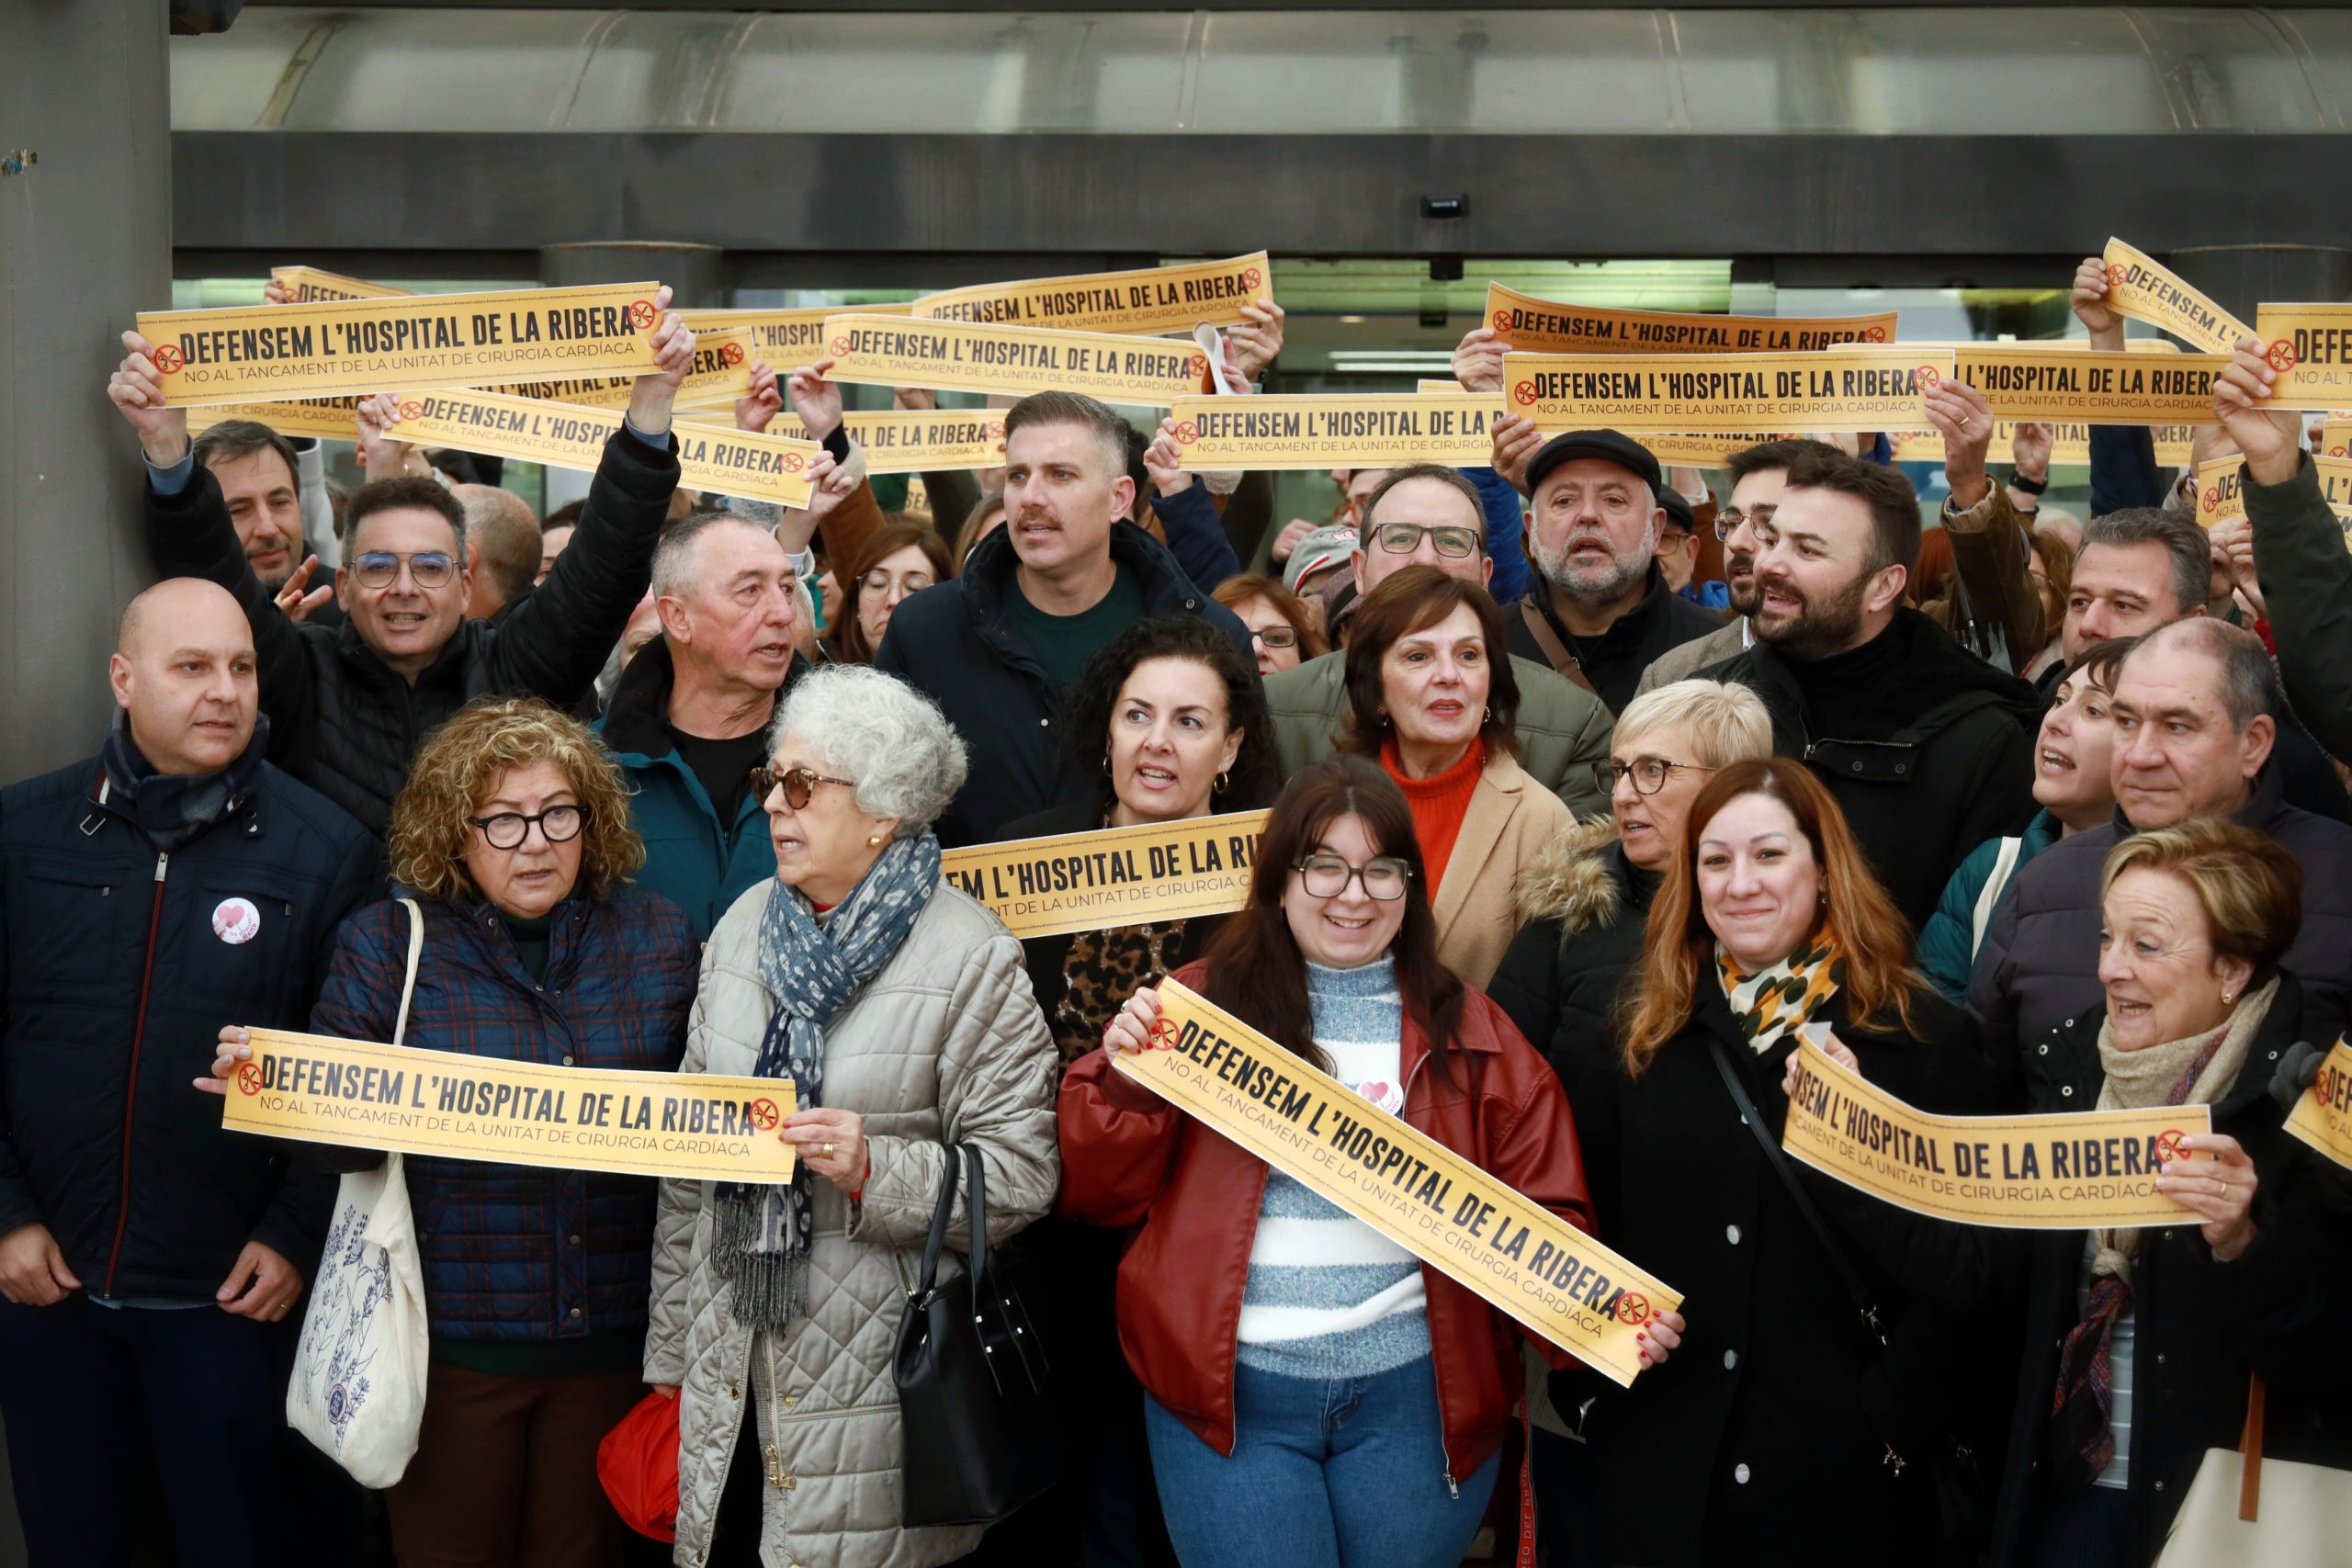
(2239, 278)
(85, 90)
(696, 273)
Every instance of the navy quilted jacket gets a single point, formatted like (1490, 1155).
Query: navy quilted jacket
(516, 1252)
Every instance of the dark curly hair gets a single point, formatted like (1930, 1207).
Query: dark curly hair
(1086, 706)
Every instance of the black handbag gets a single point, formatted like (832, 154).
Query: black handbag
(974, 1414)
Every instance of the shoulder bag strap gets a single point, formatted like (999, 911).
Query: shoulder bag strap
(1778, 1161)
(1988, 898)
(1556, 650)
(415, 952)
(977, 1197)
(938, 1241)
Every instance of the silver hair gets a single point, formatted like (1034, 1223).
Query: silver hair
(2244, 678)
(674, 558)
(890, 740)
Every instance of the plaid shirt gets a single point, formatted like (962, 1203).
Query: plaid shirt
(517, 1252)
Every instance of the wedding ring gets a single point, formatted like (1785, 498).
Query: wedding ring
(826, 1151)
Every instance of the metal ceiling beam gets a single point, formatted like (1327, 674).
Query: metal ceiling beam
(767, 198)
(1038, 6)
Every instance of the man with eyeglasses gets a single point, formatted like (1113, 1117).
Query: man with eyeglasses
(1926, 748)
(1601, 609)
(1758, 475)
(349, 705)
(1428, 514)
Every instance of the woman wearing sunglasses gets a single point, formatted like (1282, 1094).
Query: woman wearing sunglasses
(514, 833)
(897, 1008)
(1315, 1394)
(1434, 701)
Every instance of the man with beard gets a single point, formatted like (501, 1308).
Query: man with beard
(1602, 608)
(262, 479)
(1758, 475)
(996, 646)
(1927, 748)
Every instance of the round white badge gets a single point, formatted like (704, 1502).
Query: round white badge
(236, 921)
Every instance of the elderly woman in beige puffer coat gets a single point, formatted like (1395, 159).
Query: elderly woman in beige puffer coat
(901, 1010)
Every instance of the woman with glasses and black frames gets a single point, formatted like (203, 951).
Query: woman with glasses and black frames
(1433, 699)
(514, 835)
(1283, 630)
(1315, 1394)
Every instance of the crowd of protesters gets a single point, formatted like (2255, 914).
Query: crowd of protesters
(1577, 820)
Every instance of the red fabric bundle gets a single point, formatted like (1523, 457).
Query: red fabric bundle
(638, 1462)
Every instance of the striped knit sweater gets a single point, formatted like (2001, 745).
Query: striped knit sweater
(1328, 1296)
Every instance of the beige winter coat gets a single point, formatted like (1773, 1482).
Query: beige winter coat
(944, 1042)
(1511, 819)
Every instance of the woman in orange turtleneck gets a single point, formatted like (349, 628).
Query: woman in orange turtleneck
(1429, 683)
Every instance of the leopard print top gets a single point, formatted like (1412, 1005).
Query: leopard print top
(1102, 970)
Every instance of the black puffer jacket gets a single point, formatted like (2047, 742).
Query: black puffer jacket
(1942, 761)
(117, 985)
(1586, 906)
(341, 719)
(954, 644)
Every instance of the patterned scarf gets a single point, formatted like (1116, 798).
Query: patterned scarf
(2180, 1072)
(812, 971)
(1771, 1003)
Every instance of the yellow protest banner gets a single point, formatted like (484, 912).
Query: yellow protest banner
(1520, 1256)
(963, 357)
(2335, 437)
(2220, 499)
(2084, 1170)
(730, 462)
(1149, 300)
(2322, 1115)
(1546, 326)
(2030, 381)
(1834, 390)
(2144, 289)
(1706, 451)
(722, 372)
(2070, 443)
(1375, 430)
(785, 340)
(333, 419)
(2310, 348)
(1113, 877)
(255, 353)
(365, 1095)
(308, 284)
(1454, 388)
(898, 441)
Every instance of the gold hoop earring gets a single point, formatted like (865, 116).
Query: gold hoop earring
(1224, 781)
(1487, 716)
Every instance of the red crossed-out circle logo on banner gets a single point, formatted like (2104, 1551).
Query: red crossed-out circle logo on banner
(1876, 334)
(412, 409)
(730, 354)
(1502, 321)
(2212, 501)
(996, 431)
(764, 1114)
(840, 347)
(249, 1078)
(1252, 278)
(1634, 1308)
(1929, 375)
(1163, 1034)
(168, 358)
(641, 313)
(1197, 366)
(793, 462)
(2118, 274)
(2281, 356)
(2169, 1147)
(1524, 393)
(1187, 432)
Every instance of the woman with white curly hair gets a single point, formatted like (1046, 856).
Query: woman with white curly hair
(901, 1011)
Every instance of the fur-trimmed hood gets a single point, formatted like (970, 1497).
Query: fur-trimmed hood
(1575, 879)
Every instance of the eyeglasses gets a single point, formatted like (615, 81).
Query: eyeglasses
(1327, 876)
(1404, 538)
(1648, 773)
(798, 783)
(1728, 522)
(557, 824)
(1278, 637)
(382, 569)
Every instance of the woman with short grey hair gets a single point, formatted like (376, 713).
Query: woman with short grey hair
(901, 1013)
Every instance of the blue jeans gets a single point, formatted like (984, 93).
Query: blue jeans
(1368, 1450)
